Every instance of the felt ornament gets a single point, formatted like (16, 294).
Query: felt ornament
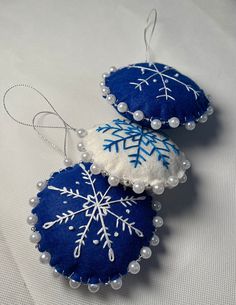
(89, 231)
(153, 94)
(134, 156)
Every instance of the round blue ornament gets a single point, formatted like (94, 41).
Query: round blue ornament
(92, 232)
(156, 95)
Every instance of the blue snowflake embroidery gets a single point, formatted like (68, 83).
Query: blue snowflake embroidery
(141, 142)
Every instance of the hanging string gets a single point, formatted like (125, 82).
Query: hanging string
(46, 140)
(36, 127)
(149, 31)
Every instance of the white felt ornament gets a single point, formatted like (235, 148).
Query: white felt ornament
(133, 155)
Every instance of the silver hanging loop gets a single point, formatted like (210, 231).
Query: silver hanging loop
(149, 31)
(36, 127)
(63, 152)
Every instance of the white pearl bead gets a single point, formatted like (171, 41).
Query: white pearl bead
(85, 156)
(116, 284)
(134, 267)
(80, 146)
(35, 237)
(81, 132)
(172, 181)
(186, 164)
(55, 273)
(154, 240)
(113, 69)
(74, 284)
(173, 122)
(156, 205)
(105, 91)
(210, 110)
(45, 258)
(138, 115)
(113, 180)
(203, 118)
(95, 169)
(146, 252)
(122, 107)
(111, 98)
(93, 287)
(138, 187)
(102, 83)
(157, 222)
(104, 75)
(183, 179)
(68, 162)
(32, 219)
(190, 125)
(158, 189)
(34, 201)
(156, 124)
(41, 185)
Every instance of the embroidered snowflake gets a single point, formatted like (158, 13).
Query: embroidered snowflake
(96, 207)
(141, 142)
(154, 74)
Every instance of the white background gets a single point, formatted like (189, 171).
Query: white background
(62, 47)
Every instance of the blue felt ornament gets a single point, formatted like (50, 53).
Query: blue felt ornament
(90, 231)
(156, 95)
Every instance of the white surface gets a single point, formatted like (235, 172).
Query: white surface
(151, 172)
(62, 47)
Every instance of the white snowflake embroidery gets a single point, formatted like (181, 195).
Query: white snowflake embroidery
(165, 91)
(96, 207)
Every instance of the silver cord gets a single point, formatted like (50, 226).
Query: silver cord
(150, 23)
(66, 126)
(46, 140)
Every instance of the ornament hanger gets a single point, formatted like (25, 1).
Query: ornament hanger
(35, 126)
(150, 24)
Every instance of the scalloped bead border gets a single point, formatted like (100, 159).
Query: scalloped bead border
(138, 115)
(133, 267)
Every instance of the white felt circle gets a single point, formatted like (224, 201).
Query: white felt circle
(134, 153)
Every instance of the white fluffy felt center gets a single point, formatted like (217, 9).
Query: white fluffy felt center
(133, 153)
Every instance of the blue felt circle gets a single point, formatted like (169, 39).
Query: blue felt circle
(159, 91)
(62, 226)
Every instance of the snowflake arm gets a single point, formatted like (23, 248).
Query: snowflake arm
(188, 87)
(125, 223)
(159, 151)
(83, 235)
(114, 144)
(163, 75)
(106, 235)
(165, 88)
(128, 201)
(107, 127)
(64, 217)
(68, 192)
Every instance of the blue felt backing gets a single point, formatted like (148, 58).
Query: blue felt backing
(74, 189)
(158, 90)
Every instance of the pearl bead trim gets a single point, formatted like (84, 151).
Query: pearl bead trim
(133, 267)
(137, 186)
(138, 115)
